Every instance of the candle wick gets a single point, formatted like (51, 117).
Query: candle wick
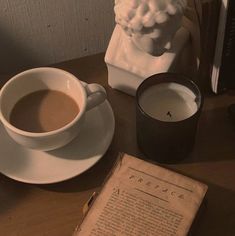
(168, 114)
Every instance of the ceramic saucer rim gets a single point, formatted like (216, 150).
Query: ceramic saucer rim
(110, 134)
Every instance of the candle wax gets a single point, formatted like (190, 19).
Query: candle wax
(169, 102)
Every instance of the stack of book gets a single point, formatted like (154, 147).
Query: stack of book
(223, 71)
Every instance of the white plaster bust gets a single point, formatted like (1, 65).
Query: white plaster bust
(150, 24)
(150, 36)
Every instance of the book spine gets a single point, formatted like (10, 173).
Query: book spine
(227, 69)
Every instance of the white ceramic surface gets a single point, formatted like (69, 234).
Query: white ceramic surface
(87, 96)
(38, 167)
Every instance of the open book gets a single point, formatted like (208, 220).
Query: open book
(140, 198)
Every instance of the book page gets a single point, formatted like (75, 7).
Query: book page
(141, 198)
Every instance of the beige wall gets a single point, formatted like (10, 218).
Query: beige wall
(41, 32)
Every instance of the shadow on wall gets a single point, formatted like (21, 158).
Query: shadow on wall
(14, 56)
(36, 33)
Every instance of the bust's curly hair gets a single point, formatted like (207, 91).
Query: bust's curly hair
(134, 16)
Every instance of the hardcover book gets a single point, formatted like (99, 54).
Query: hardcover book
(142, 198)
(223, 71)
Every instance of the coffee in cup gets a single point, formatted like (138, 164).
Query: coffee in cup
(45, 108)
(43, 111)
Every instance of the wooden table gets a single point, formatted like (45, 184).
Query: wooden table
(56, 209)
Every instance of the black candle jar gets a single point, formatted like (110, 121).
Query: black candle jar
(168, 107)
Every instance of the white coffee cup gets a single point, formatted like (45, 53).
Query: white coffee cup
(87, 96)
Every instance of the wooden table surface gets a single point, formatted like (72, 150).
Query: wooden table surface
(56, 209)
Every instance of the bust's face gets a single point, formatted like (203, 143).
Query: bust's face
(150, 24)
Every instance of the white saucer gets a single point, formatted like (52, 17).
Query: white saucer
(38, 167)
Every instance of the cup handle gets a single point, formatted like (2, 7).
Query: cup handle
(96, 94)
